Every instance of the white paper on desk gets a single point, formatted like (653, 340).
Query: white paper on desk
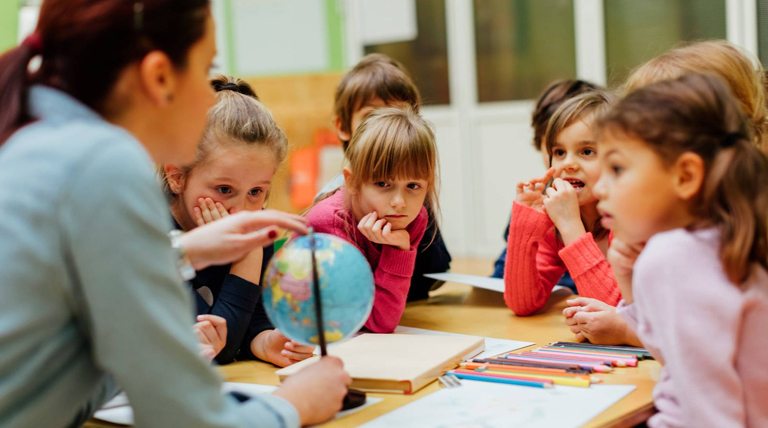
(485, 404)
(118, 410)
(488, 283)
(493, 346)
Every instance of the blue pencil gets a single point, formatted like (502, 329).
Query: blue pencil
(501, 380)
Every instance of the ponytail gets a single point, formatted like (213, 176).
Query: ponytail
(735, 198)
(86, 44)
(14, 85)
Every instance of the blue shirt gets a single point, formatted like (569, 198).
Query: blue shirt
(90, 291)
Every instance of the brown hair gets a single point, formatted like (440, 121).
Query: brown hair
(586, 106)
(550, 99)
(698, 114)
(87, 43)
(237, 118)
(740, 69)
(375, 76)
(394, 143)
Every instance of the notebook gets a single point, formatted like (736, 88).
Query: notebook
(398, 363)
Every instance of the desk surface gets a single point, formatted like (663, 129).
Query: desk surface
(462, 309)
(459, 308)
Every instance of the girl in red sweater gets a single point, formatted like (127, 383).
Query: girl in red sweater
(390, 182)
(557, 227)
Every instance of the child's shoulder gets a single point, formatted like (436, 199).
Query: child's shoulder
(672, 254)
(327, 214)
(682, 243)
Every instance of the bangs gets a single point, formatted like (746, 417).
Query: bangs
(393, 148)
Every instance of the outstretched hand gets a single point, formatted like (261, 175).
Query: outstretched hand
(232, 237)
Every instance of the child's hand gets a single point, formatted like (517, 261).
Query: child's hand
(380, 231)
(272, 346)
(212, 332)
(531, 193)
(317, 391)
(622, 257)
(562, 206)
(598, 322)
(208, 211)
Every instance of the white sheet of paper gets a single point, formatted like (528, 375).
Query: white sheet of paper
(485, 404)
(118, 410)
(493, 346)
(493, 284)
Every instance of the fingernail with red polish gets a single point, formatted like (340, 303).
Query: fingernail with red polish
(272, 234)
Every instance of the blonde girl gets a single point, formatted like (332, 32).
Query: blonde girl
(241, 149)
(391, 178)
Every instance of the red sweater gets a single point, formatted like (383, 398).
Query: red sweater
(536, 260)
(392, 268)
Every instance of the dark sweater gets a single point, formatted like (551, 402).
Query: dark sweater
(239, 302)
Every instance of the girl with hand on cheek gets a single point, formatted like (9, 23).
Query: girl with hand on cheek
(391, 179)
(557, 228)
(241, 150)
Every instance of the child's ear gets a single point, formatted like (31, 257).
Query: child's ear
(343, 136)
(688, 175)
(175, 178)
(348, 179)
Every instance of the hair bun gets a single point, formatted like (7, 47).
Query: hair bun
(221, 84)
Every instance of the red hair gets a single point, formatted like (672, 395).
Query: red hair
(87, 43)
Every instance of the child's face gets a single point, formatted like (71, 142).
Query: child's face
(636, 190)
(397, 201)
(574, 154)
(359, 115)
(237, 176)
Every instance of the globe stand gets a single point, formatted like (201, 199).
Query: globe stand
(354, 398)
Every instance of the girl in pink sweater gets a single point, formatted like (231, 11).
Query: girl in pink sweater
(681, 172)
(557, 228)
(390, 182)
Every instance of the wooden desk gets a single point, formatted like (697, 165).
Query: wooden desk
(459, 308)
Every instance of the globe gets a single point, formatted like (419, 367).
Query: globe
(346, 288)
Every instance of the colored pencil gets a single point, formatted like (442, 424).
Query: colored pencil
(541, 361)
(557, 380)
(588, 351)
(573, 357)
(571, 368)
(608, 360)
(499, 379)
(600, 368)
(632, 349)
(473, 366)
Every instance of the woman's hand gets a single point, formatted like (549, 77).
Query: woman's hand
(380, 231)
(209, 211)
(531, 193)
(622, 257)
(562, 206)
(212, 332)
(317, 391)
(272, 346)
(232, 237)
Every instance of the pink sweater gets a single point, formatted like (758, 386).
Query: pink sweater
(392, 268)
(708, 333)
(536, 260)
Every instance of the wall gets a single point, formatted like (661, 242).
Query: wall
(9, 12)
